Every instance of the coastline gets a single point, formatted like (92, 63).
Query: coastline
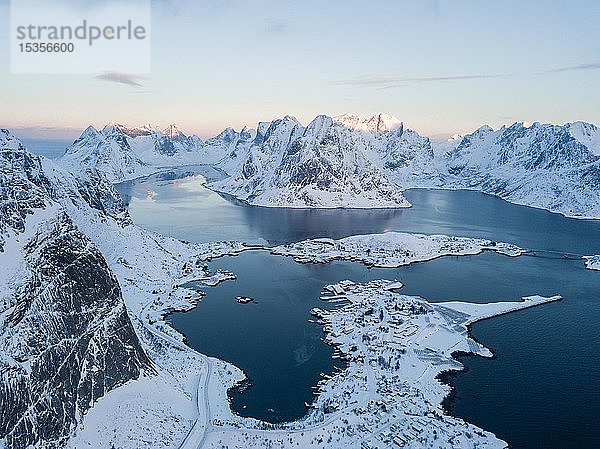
(229, 423)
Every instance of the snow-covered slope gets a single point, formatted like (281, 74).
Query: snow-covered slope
(65, 336)
(229, 149)
(164, 148)
(108, 151)
(125, 153)
(348, 161)
(587, 134)
(404, 156)
(333, 162)
(541, 165)
(86, 359)
(378, 123)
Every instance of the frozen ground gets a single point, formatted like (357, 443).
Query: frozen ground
(389, 396)
(592, 262)
(396, 346)
(392, 249)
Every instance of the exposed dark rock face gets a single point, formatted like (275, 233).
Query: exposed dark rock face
(23, 185)
(99, 193)
(68, 335)
(65, 336)
(541, 165)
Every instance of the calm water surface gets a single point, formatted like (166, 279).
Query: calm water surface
(542, 390)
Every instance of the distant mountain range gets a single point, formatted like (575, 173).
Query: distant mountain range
(348, 161)
(547, 166)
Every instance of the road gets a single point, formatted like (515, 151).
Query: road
(196, 437)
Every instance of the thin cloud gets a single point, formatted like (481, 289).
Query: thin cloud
(574, 68)
(121, 78)
(277, 27)
(386, 82)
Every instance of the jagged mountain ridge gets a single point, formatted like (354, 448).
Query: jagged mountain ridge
(519, 163)
(378, 123)
(333, 162)
(20, 196)
(554, 167)
(107, 151)
(125, 153)
(66, 337)
(540, 165)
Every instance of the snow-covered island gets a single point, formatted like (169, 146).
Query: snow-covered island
(592, 262)
(389, 395)
(392, 249)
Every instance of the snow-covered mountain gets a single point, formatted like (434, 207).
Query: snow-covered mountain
(349, 161)
(108, 151)
(546, 166)
(125, 153)
(163, 148)
(333, 162)
(378, 123)
(65, 335)
(344, 161)
(229, 148)
(587, 134)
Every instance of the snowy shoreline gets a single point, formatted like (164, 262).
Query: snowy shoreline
(373, 400)
(592, 262)
(245, 202)
(523, 203)
(241, 432)
(392, 249)
(153, 286)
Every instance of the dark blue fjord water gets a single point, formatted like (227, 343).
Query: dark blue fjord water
(541, 391)
(184, 208)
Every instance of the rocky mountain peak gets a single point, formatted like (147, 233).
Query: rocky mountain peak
(172, 132)
(380, 122)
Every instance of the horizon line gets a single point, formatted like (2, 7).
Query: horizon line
(59, 133)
